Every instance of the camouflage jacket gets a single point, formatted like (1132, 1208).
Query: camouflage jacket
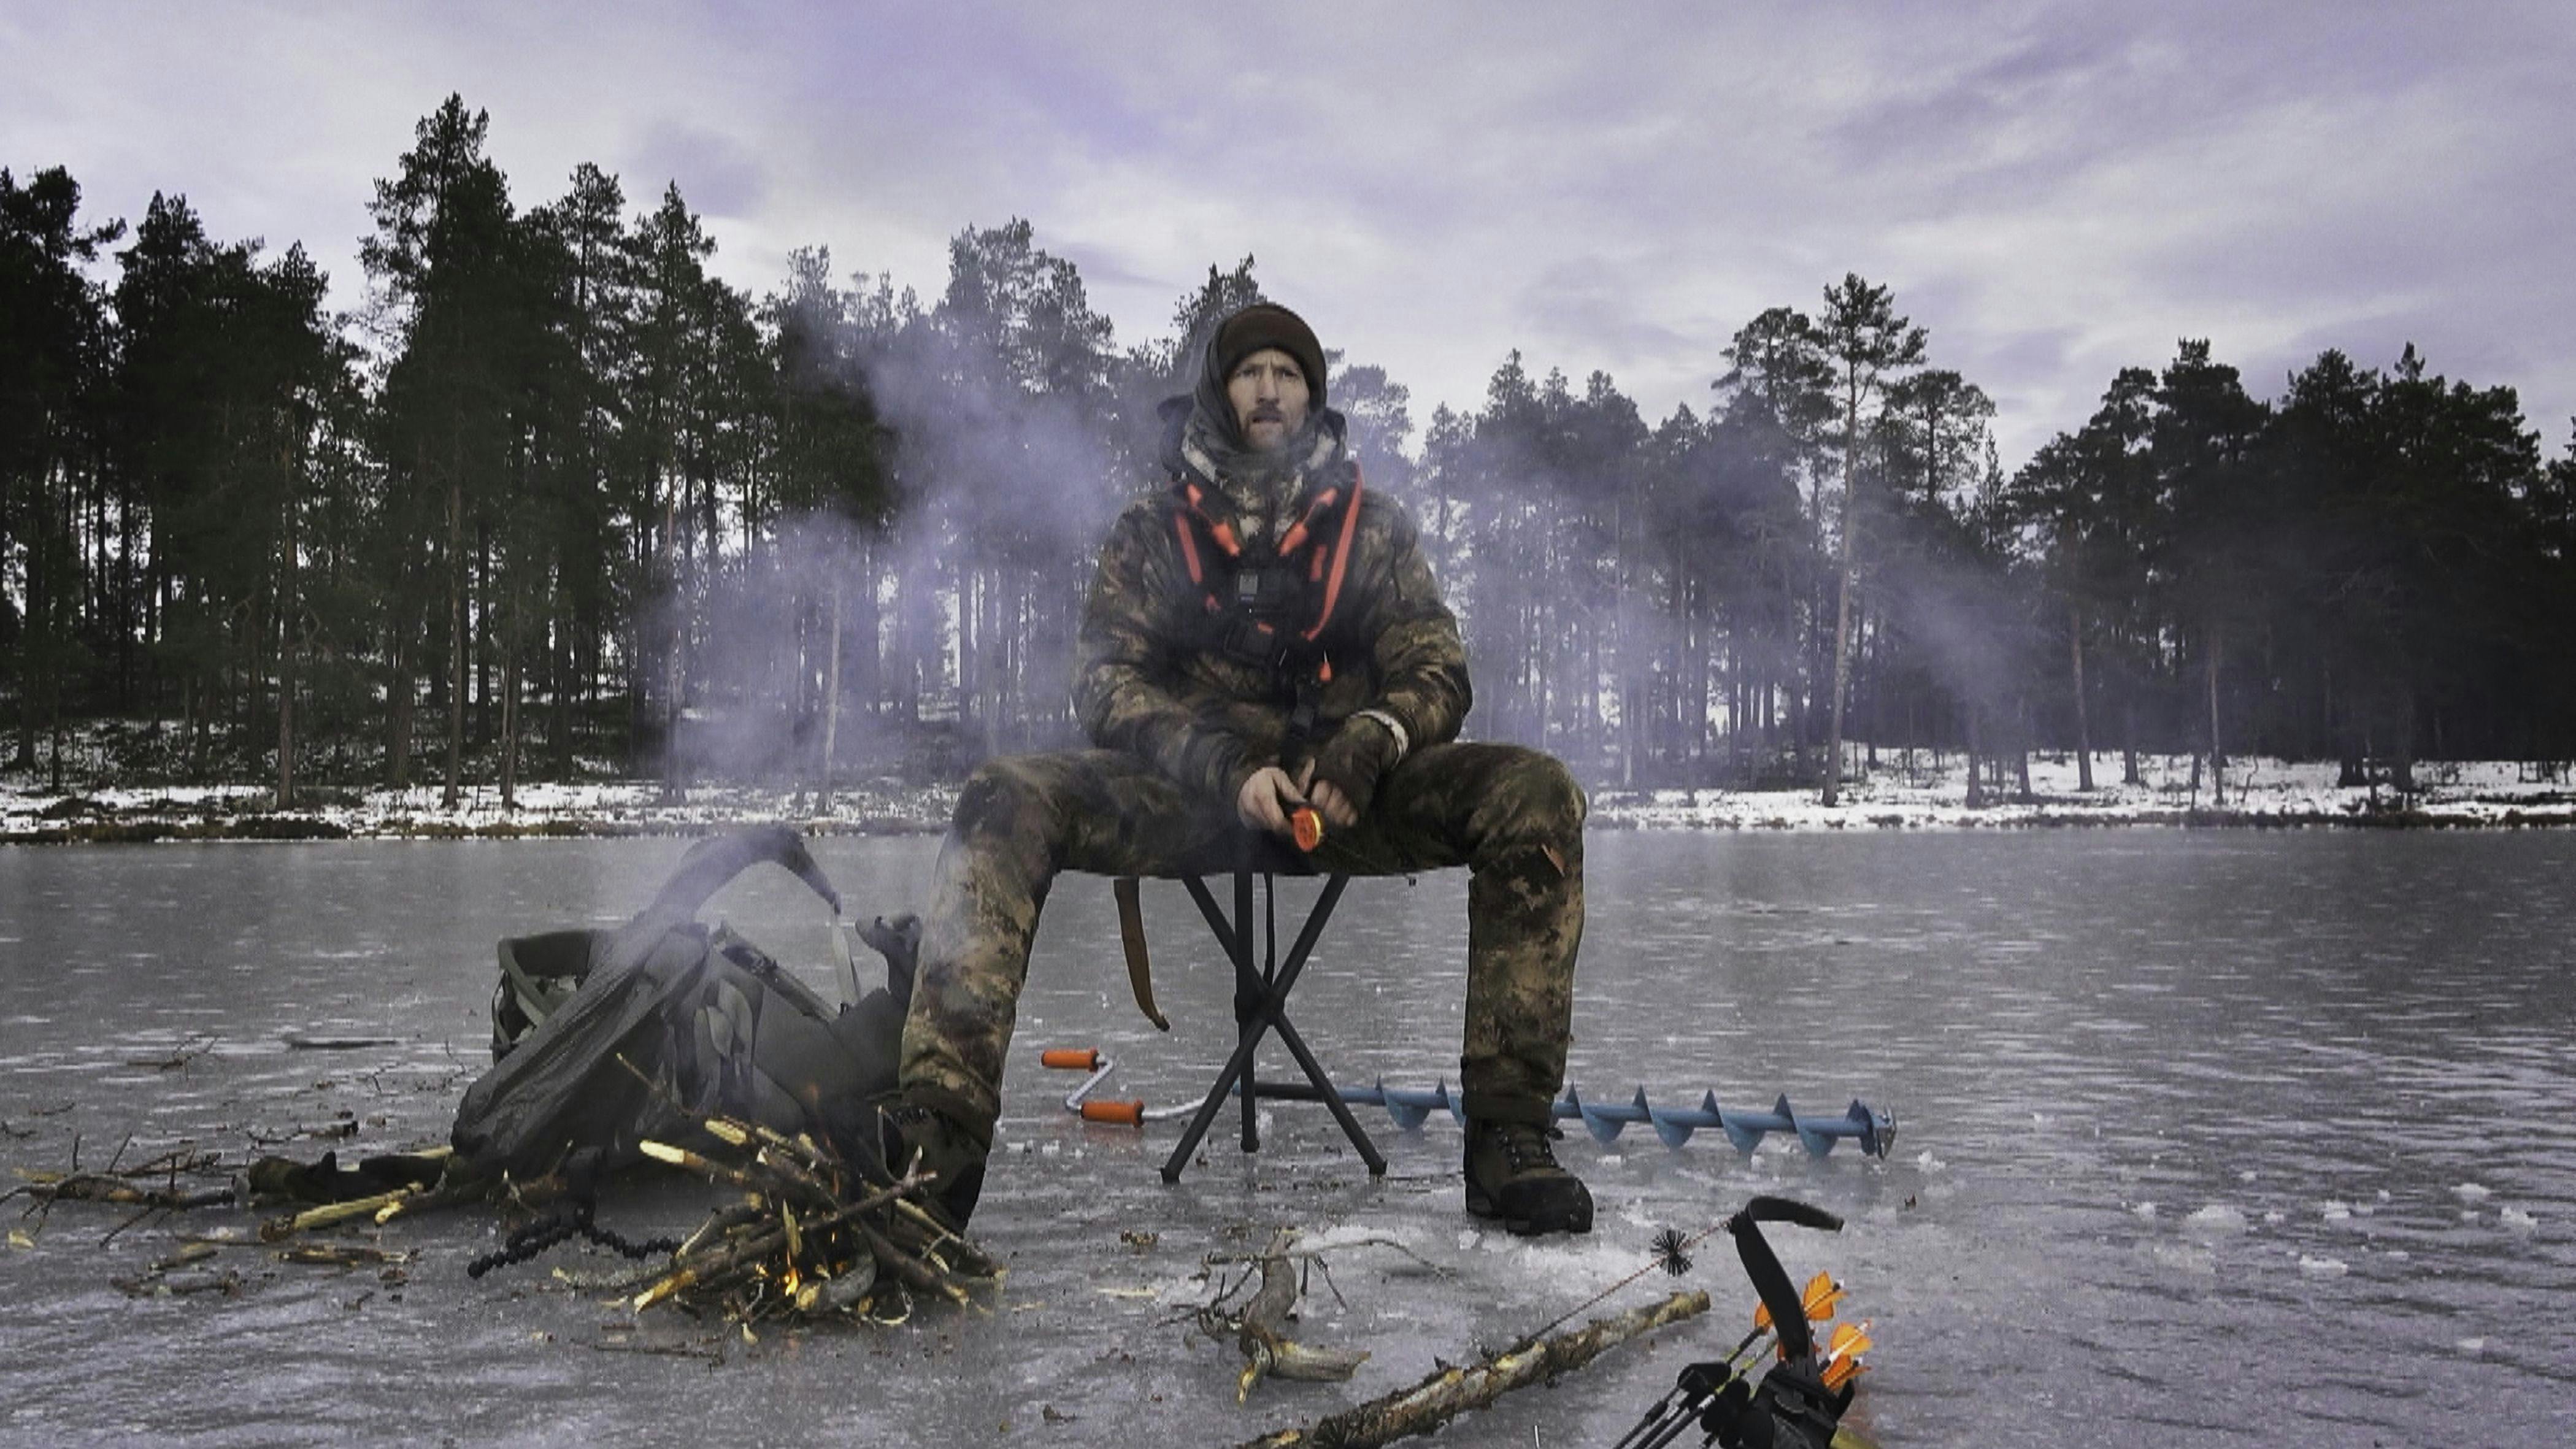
(1149, 682)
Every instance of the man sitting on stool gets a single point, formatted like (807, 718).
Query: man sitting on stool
(1263, 635)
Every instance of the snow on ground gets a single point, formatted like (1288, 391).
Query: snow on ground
(2259, 792)
(610, 808)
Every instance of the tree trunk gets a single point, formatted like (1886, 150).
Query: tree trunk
(559, 670)
(454, 794)
(2083, 711)
(28, 664)
(481, 595)
(869, 686)
(1842, 601)
(287, 612)
(510, 710)
(398, 705)
(24, 756)
(1976, 772)
(831, 707)
(2217, 755)
(673, 792)
(1876, 639)
(2404, 771)
(2129, 742)
(54, 752)
(2021, 750)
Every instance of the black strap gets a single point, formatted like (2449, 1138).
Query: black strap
(1770, 1280)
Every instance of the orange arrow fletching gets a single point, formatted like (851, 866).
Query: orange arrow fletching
(1842, 1371)
(1849, 1341)
(1823, 1295)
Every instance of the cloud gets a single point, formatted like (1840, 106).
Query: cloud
(2054, 188)
(723, 179)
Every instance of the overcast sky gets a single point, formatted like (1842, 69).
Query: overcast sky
(2055, 190)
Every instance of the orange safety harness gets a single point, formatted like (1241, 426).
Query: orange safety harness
(1252, 605)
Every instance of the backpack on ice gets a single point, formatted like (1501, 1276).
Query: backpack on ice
(602, 1038)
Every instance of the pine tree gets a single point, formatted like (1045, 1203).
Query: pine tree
(452, 312)
(1863, 338)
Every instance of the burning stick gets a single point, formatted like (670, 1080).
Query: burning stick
(811, 1239)
(331, 1215)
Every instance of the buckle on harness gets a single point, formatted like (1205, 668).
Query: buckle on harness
(1249, 640)
(1269, 591)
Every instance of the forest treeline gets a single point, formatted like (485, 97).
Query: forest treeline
(559, 502)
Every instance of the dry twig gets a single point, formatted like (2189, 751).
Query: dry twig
(187, 1052)
(1261, 1330)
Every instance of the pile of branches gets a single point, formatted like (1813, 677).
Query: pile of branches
(810, 1240)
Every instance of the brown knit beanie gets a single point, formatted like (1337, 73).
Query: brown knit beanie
(1266, 324)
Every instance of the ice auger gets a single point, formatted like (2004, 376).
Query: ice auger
(1874, 1130)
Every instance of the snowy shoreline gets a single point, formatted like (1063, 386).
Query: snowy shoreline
(2261, 793)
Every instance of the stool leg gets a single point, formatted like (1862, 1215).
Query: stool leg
(1307, 936)
(1238, 949)
(1261, 1005)
(1248, 989)
(1330, 1096)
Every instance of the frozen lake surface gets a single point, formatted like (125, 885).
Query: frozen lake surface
(2204, 1135)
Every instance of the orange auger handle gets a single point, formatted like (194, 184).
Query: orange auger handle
(1133, 1113)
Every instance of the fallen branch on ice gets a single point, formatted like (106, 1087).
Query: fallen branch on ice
(1446, 1394)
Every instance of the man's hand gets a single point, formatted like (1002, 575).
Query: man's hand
(1267, 797)
(1347, 769)
(1324, 795)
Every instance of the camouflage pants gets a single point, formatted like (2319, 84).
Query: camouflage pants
(1513, 816)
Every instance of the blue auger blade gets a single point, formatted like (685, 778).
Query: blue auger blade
(1572, 1107)
(1675, 1127)
(1747, 1129)
(1876, 1131)
(1411, 1109)
(1817, 1139)
(1604, 1122)
(1638, 1109)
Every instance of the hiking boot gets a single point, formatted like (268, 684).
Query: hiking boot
(1512, 1175)
(950, 1155)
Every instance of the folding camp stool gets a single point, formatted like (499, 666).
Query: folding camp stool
(1260, 1008)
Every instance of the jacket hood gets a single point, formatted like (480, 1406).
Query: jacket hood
(1198, 444)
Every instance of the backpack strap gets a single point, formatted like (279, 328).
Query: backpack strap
(1249, 607)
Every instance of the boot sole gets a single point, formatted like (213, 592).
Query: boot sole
(1481, 1206)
